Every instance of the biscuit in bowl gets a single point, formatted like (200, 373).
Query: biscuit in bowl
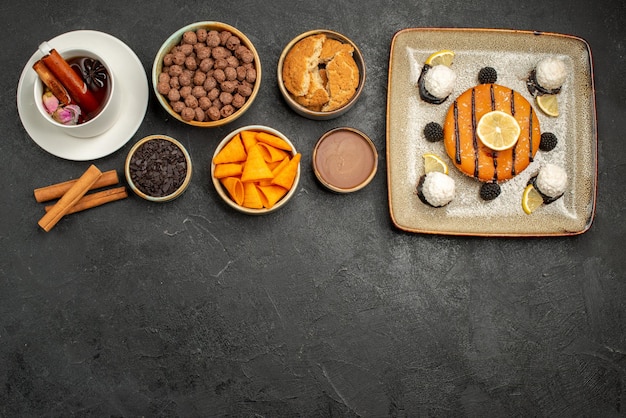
(321, 74)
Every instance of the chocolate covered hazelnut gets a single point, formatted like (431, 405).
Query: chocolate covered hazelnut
(185, 91)
(220, 64)
(203, 52)
(229, 86)
(226, 98)
(163, 87)
(230, 73)
(175, 70)
(204, 103)
(244, 90)
(191, 101)
(210, 83)
(174, 82)
(238, 101)
(198, 78)
(173, 95)
(164, 77)
(191, 63)
(186, 49)
(232, 43)
(213, 113)
(206, 65)
(213, 39)
(219, 75)
(190, 37)
(213, 94)
(179, 58)
(201, 35)
(219, 52)
(177, 106)
(224, 35)
(188, 114)
(198, 91)
(184, 79)
(168, 59)
(200, 114)
(227, 110)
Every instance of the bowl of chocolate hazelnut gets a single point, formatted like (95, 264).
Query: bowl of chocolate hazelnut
(206, 74)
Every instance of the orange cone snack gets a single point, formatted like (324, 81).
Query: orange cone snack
(255, 168)
(249, 139)
(251, 197)
(233, 152)
(272, 154)
(235, 189)
(271, 194)
(228, 170)
(287, 175)
(273, 140)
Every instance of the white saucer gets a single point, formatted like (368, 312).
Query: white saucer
(131, 80)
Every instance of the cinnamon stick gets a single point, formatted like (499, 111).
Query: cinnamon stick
(69, 199)
(93, 200)
(53, 83)
(55, 191)
(72, 82)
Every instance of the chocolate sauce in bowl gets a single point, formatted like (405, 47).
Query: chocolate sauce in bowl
(344, 159)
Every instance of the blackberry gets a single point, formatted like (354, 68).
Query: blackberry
(489, 191)
(548, 141)
(433, 132)
(487, 75)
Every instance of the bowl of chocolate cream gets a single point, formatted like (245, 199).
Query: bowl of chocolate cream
(345, 160)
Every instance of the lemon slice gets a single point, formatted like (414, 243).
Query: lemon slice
(498, 130)
(531, 199)
(443, 57)
(432, 163)
(549, 104)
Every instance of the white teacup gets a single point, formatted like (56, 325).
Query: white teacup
(100, 123)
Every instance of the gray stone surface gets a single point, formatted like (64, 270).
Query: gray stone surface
(323, 308)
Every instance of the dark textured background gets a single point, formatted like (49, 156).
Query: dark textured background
(324, 308)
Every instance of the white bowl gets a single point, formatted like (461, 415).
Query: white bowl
(101, 122)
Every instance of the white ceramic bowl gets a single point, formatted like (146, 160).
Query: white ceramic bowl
(101, 122)
(313, 114)
(174, 40)
(221, 190)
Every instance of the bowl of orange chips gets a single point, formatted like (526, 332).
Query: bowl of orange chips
(256, 169)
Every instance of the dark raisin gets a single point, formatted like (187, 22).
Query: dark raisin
(489, 191)
(487, 75)
(433, 132)
(548, 141)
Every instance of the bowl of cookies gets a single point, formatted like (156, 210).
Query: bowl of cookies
(321, 74)
(206, 74)
(256, 169)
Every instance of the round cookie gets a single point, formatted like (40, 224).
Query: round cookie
(463, 146)
(301, 60)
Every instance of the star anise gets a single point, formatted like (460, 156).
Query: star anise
(95, 73)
